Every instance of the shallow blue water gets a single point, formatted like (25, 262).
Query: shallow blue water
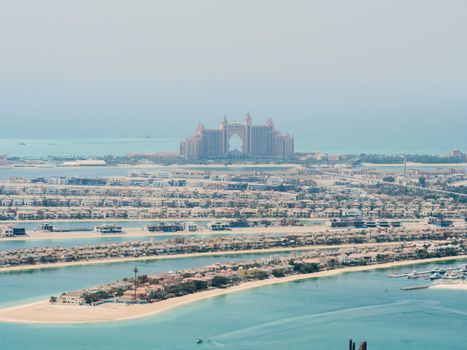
(6, 244)
(313, 314)
(83, 224)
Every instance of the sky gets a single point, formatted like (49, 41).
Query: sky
(386, 75)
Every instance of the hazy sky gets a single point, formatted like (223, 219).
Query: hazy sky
(368, 75)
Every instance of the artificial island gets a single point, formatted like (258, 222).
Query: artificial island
(306, 215)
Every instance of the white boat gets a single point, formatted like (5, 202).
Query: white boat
(108, 228)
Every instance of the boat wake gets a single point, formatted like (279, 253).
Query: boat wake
(294, 323)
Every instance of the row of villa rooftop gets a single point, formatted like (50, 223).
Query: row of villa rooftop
(153, 288)
(453, 238)
(312, 197)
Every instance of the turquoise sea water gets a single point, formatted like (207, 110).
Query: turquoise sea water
(86, 147)
(42, 147)
(312, 314)
(129, 223)
(6, 244)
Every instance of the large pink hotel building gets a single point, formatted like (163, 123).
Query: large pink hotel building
(257, 141)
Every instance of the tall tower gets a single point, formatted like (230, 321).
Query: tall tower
(247, 119)
(247, 123)
(225, 140)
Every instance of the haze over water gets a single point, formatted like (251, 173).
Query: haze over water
(379, 77)
(92, 147)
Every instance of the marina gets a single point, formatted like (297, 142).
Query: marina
(438, 273)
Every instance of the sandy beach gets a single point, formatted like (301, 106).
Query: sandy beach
(44, 312)
(139, 232)
(459, 285)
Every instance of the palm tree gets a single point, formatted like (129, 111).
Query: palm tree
(135, 270)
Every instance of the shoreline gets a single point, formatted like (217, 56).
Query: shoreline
(42, 312)
(458, 285)
(140, 232)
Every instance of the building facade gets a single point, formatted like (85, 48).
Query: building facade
(3, 159)
(257, 141)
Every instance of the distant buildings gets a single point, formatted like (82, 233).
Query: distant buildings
(456, 153)
(257, 141)
(86, 162)
(3, 159)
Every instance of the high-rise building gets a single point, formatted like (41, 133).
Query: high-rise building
(257, 141)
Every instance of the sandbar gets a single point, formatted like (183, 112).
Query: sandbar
(454, 285)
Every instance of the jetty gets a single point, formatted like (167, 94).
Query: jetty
(425, 286)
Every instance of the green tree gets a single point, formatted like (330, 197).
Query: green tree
(258, 274)
(305, 268)
(220, 281)
(422, 181)
(278, 273)
(200, 284)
